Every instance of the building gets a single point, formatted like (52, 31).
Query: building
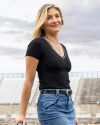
(86, 98)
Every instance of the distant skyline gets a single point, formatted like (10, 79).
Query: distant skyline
(80, 33)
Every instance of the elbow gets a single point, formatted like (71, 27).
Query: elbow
(29, 82)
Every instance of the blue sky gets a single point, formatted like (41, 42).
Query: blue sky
(80, 32)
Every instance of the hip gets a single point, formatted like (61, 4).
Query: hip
(55, 105)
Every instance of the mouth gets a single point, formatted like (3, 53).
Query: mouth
(54, 26)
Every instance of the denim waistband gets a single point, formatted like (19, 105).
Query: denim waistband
(57, 90)
(57, 93)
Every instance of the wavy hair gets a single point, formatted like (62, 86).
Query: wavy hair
(41, 18)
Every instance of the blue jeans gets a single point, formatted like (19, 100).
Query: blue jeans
(55, 109)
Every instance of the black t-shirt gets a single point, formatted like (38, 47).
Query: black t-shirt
(52, 68)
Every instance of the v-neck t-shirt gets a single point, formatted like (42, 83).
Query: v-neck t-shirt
(52, 68)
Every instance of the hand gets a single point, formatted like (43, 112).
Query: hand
(21, 118)
(77, 122)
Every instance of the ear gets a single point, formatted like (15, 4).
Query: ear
(62, 21)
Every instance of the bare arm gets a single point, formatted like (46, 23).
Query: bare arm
(31, 66)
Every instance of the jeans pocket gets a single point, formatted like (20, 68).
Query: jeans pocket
(47, 103)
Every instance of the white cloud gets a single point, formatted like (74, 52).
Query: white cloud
(11, 65)
(80, 32)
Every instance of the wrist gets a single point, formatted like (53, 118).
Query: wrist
(22, 114)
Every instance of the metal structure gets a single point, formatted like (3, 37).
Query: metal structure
(88, 74)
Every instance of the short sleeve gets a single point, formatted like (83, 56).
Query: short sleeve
(34, 49)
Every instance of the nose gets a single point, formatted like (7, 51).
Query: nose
(54, 19)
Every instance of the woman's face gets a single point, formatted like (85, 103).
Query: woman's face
(53, 22)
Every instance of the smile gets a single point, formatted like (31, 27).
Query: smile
(55, 26)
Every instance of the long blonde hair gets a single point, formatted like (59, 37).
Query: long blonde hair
(41, 18)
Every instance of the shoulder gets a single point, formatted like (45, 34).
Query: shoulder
(34, 48)
(36, 42)
(63, 45)
(64, 48)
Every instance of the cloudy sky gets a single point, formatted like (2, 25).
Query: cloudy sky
(80, 32)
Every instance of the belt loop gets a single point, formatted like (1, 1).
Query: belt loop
(68, 102)
(57, 92)
(41, 91)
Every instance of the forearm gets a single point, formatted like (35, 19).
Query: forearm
(25, 97)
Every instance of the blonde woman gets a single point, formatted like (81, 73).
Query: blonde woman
(50, 59)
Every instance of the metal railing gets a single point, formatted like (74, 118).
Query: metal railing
(88, 74)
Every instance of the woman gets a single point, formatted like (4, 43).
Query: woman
(49, 57)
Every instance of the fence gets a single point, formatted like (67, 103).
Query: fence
(90, 74)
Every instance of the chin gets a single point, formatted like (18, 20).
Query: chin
(53, 30)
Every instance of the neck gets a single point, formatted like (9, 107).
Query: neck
(54, 39)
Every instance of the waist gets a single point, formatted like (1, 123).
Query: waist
(55, 91)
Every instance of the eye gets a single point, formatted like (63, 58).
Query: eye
(48, 18)
(57, 16)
